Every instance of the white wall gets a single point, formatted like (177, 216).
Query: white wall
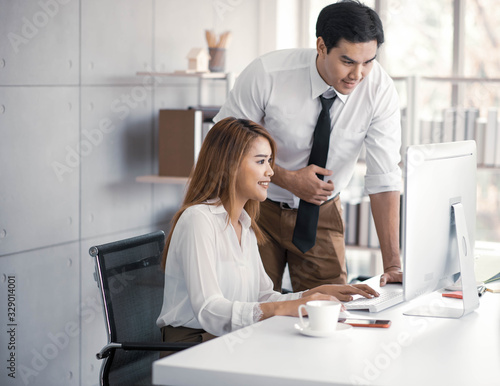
(77, 126)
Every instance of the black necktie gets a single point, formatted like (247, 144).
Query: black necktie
(304, 234)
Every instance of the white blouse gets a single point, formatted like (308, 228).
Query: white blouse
(211, 281)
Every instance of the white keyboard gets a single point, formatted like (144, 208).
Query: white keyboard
(390, 295)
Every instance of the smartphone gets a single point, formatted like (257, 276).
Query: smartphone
(377, 323)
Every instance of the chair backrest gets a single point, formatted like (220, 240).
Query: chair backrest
(131, 283)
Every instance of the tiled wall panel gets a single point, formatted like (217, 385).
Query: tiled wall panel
(117, 126)
(39, 167)
(44, 323)
(39, 42)
(117, 39)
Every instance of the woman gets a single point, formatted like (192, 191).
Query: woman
(214, 278)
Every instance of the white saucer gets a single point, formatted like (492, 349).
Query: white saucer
(306, 331)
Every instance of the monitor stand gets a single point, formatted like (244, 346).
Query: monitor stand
(470, 298)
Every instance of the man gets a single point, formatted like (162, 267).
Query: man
(290, 92)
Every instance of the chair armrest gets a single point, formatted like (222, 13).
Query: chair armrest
(144, 346)
(166, 346)
(106, 350)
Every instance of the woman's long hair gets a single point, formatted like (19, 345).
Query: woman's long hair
(214, 175)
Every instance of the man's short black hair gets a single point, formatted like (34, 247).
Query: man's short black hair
(349, 20)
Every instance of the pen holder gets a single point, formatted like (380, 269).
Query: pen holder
(217, 62)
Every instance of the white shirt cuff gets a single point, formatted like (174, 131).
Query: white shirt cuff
(383, 182)
(243, 314)
(257, 313)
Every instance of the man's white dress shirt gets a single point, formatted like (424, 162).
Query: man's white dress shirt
(280, 90)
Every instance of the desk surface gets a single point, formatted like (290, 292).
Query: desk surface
(413, 351)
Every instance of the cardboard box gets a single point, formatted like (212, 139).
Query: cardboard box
(179, 141)
(180, 134)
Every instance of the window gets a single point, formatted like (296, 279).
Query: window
(482, 39)
(482, 52)
(418, 37)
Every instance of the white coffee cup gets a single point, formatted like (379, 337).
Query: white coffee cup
(323, 315)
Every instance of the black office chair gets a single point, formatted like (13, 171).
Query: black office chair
(131, 282)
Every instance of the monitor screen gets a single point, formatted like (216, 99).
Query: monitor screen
(437, 177)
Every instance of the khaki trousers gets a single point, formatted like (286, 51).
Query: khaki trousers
(324, 263)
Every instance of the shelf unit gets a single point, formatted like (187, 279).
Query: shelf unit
(413, 84)
(202, 78)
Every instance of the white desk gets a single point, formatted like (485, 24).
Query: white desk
(413, 351)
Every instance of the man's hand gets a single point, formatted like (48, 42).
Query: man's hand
(304, 183)
(391, 275)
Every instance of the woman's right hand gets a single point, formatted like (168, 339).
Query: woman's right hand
(291, 307)
(294, 308)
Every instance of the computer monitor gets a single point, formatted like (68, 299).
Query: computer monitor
(439, 218)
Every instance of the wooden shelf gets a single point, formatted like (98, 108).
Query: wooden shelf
(162, 180)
